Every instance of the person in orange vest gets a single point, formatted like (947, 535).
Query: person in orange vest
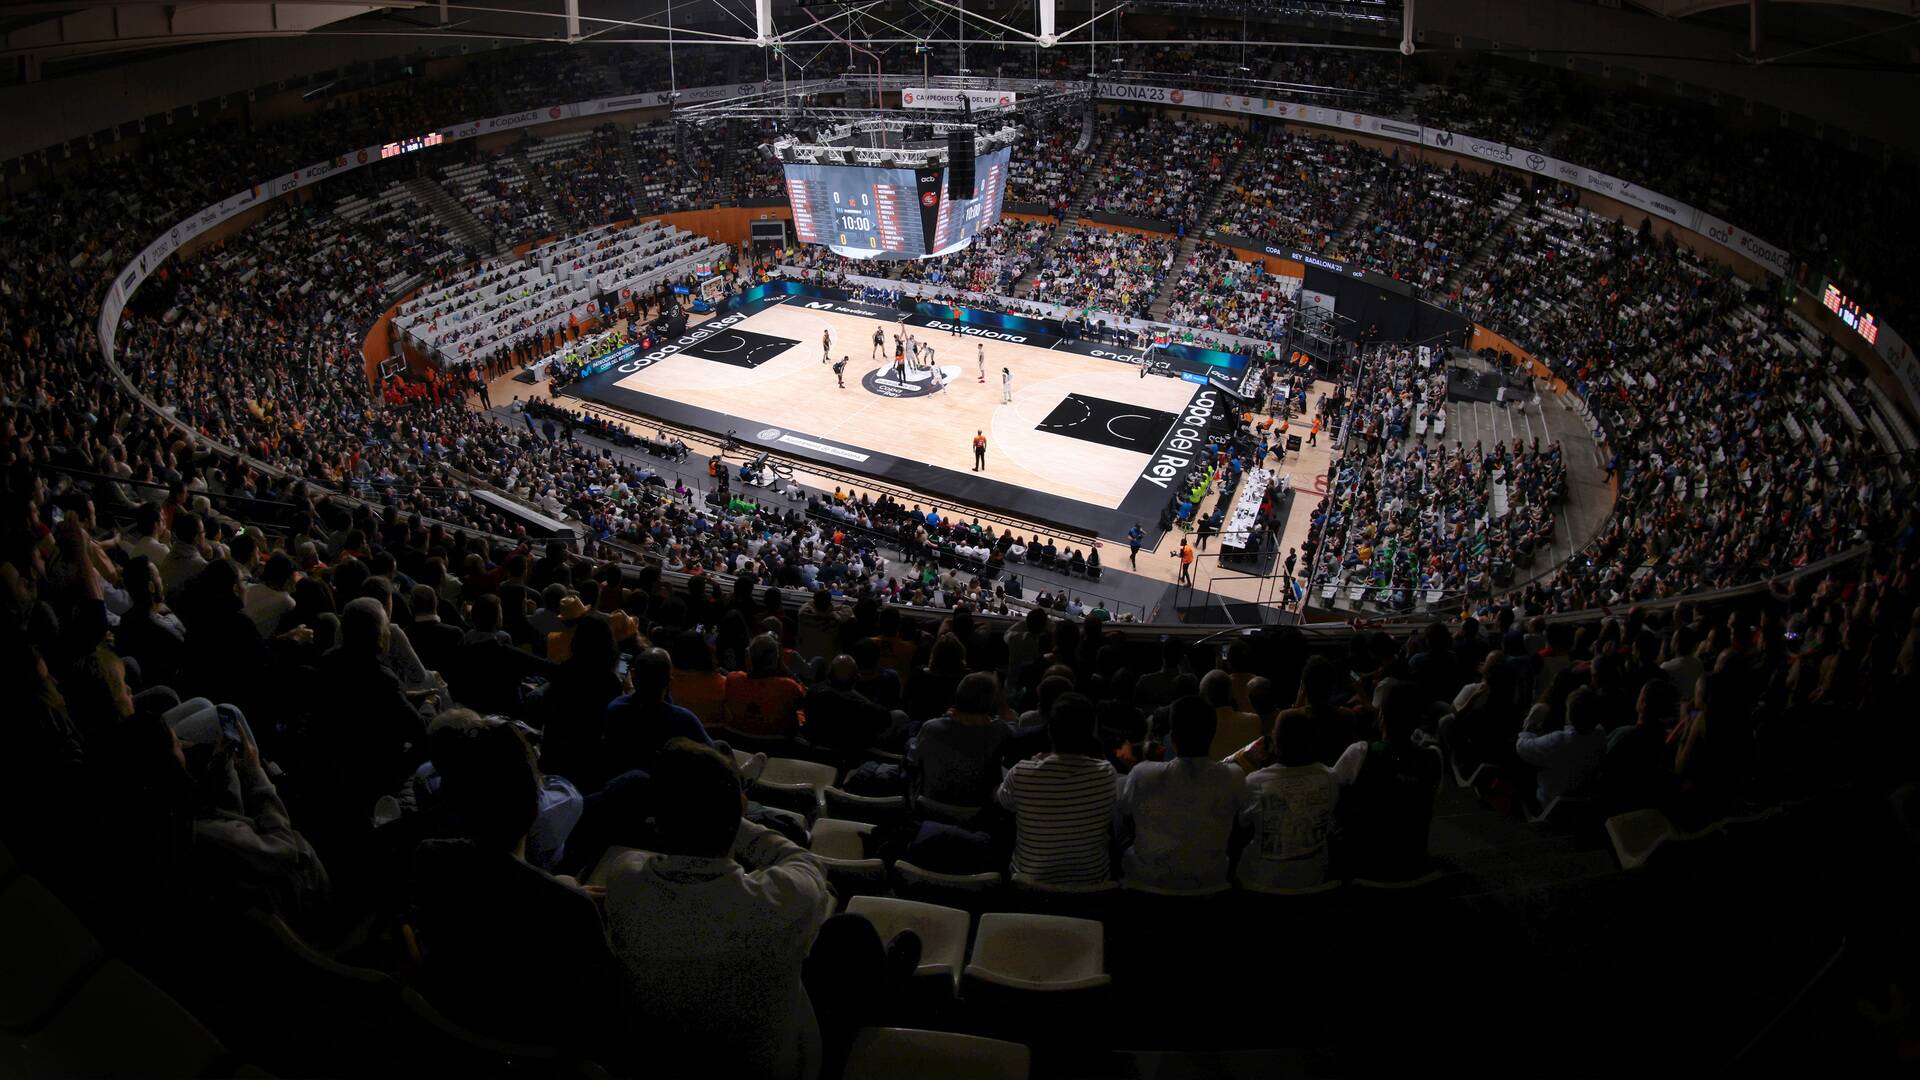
(1185, 555)
(1313, 437)
(979, 450)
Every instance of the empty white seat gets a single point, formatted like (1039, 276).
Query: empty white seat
(886, 1053)
(796, 773)
(1637, 834)
(1039, 952)
(840, 840)
(942, 930)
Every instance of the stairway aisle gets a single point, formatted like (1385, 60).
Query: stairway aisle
(1163, 298)
(471, 231)
(1095, 160)
(545, 193)
(1510, 207)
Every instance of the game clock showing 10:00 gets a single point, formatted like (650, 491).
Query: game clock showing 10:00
(860, 210)
(853, 217)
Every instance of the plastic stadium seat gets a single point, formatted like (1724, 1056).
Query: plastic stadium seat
(1039, 952)
(46, 953)
(454, 1050)
(1322, 889)
(970, 891)
(1636, 835)
(888, 1053)
(840, 840)
(1195, 894)
(934, 810)
(1564, 808)
(120, 1024)
(794, 784)
(1027, 883)
(873, 809)
(308, 983)
(838, 846)
(1420, 882)
(942, 930)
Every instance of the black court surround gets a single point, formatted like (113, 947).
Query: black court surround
(1108, 423)
(741, 348)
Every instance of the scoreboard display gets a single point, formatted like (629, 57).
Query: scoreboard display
(864, 212)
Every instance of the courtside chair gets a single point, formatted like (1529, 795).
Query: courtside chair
(840, 847)
(1042, 953)
(896, 1053)
(942, 930)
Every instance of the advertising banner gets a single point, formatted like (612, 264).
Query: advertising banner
(920, 97)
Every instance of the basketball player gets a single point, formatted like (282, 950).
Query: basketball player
(826, 346)
(1006, 386)
(900, 357)
(879, 343)
(980, 355)
(840, 371)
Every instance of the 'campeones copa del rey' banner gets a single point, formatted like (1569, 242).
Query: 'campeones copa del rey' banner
(1775, 259)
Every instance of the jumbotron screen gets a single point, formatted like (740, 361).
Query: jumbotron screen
(864, 212)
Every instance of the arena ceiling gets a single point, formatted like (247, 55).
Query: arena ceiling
(91, 32)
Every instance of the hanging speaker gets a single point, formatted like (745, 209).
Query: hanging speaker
(960, 165)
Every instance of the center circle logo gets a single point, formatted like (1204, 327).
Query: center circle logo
(768, 434)
(886, 381)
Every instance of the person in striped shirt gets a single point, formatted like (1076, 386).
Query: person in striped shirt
(1063, 802)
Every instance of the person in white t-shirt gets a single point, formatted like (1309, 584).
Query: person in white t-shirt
(269, 599)
(1290, 809)
(1182, 810)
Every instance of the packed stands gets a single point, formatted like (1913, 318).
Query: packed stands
(1161, 170)
(1298, 189)
(1216, 291)
(990, 264)
(1103, 270)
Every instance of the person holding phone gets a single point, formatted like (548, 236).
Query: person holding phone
(244, 841)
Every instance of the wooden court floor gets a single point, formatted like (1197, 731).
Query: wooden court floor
(794, 389)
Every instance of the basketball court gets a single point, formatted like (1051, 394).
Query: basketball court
(1086, 444)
